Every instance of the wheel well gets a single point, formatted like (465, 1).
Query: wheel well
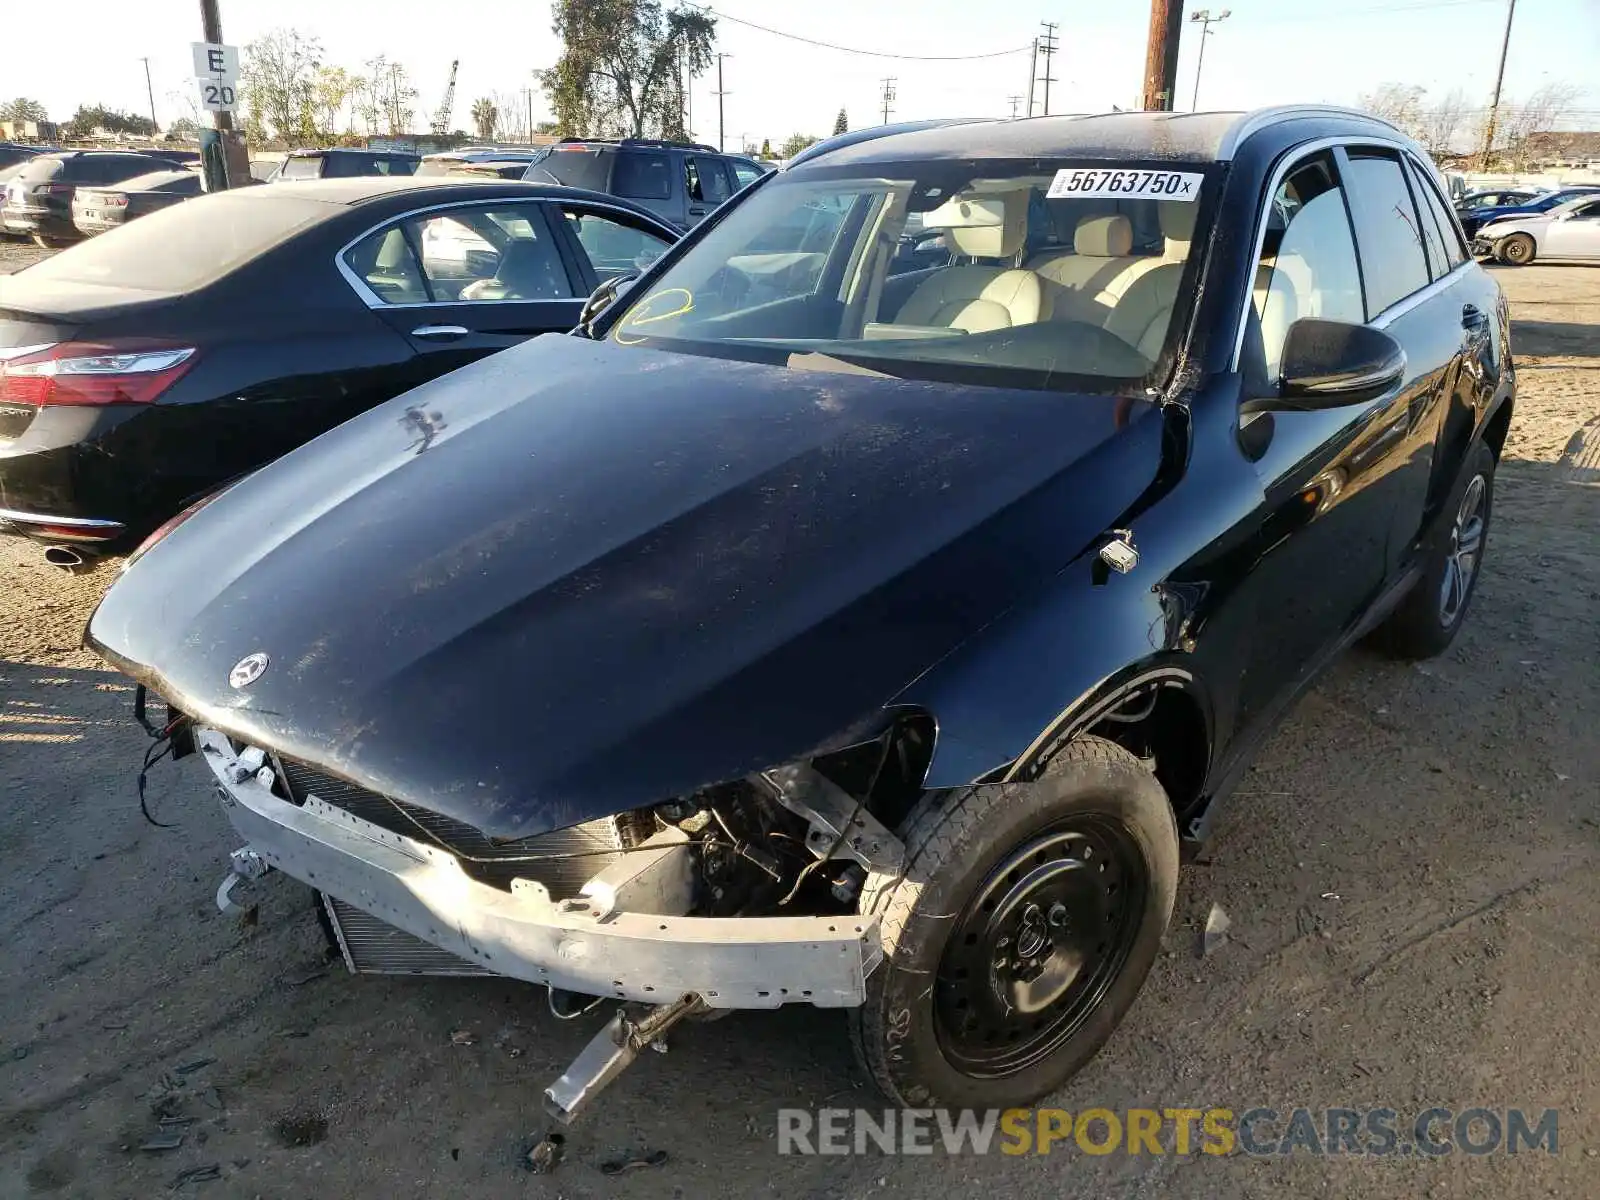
(1494, 433)
(1163, 725)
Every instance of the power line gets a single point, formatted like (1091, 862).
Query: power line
(795, 37)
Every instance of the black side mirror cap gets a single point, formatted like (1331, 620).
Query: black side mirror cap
(603, 297)
(1330, 364)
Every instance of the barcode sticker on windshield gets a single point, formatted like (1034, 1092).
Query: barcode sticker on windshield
(1129, 184)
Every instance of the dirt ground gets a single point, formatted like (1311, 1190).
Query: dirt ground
(1410, 870)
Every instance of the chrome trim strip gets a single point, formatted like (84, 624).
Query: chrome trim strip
(1300, 153)
(372, 300)
(26, 518)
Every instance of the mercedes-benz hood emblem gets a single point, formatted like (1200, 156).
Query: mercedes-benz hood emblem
(248, 669)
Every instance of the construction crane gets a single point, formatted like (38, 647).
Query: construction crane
(441, 119)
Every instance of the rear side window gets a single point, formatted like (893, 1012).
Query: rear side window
(1444, 247)
(745, 173)
(643, 176)
(704, 179)
(1388, 230)
(307, 166)
(574, 166)
(397, 166)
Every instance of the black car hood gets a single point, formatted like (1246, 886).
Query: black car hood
(577, 578)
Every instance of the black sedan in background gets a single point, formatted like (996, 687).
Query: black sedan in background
(38, 200)
(95, 210)
(145, 367)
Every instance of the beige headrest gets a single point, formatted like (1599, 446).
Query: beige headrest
(1177, 226)
(983, 226)
(1103, 237)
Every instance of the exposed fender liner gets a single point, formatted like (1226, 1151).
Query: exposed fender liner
(1091, 707)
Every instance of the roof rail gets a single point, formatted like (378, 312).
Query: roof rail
(661, 143)
(872, 133)
(1251, 122)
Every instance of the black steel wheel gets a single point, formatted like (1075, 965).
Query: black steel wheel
(1036, 910)
(1038, 945)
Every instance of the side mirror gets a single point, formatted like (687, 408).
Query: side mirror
(604, 296)
(1329, 364)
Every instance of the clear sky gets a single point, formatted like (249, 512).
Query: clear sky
(1266, 52)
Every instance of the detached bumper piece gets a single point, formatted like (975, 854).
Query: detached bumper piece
(623, 936)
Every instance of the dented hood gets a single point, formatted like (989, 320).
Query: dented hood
(577, 578)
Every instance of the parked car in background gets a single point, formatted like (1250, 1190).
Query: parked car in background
(444, 162)
(182, 158)
(803, 633)
(38, 201)
(265, 170)
(95, 210)
(491, 168)
(679, 181)
(205, 339)
(13, 152)
(1568, 231)
(1475, 219)
(341, 162)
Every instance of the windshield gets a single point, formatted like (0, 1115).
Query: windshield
(1016, 273)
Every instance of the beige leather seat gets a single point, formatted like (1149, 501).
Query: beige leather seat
(1085, 284)
(1143, 311)
(978, 299)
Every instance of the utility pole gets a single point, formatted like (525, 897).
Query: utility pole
(1499, 78)
(529, 92)
(215, 166)
(1047, 45)
(1161, 54)
(888, 97)
(1206, 21)
(1015, 102)
(150, 92)
(1033, 74)
(720, 94)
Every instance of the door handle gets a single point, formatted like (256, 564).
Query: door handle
(440, 333)
(699, 211)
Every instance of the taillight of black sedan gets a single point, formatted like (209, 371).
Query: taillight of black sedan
(143, 368)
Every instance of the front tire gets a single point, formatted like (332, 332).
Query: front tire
(1026, 921)
(1517, 250)
(1430, 616)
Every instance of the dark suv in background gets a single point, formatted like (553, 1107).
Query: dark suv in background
(38, 200)
(678, 181)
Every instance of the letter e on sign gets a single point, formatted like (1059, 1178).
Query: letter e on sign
(216, 72)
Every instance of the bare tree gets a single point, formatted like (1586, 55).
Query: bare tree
(1400, 104)
(1443, 122)
(1541, 111)
(277, 82)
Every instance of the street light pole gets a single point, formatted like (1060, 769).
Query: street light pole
(720, 94)
(1203, 15)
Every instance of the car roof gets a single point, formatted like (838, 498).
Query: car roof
(363, 188)
(1202, 137)
(313, 152)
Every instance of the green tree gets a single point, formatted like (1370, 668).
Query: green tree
(796, 143)
(484, 117)
(23, 109)
(278, 83)
(184, 129)
(841, 123)
(87, 119)
(623, 64)
(766, 148)
(332, 88)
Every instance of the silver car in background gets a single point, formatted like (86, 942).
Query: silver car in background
(1568, 231)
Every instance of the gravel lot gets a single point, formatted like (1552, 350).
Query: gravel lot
(1410, 871)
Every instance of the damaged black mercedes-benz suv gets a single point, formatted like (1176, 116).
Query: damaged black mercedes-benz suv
(822, 625)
